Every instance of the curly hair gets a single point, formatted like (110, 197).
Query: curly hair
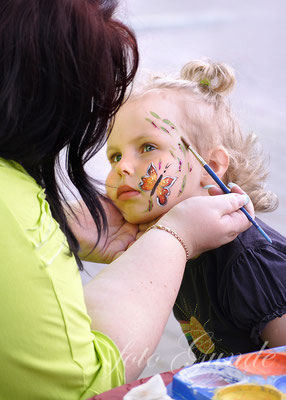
(65, 66)
(210, 122)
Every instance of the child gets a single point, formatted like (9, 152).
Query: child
(232, 299)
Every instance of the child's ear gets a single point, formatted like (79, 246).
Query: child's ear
(218, 160)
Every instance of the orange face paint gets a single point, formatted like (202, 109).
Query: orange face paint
(248, 392)
(262, 363)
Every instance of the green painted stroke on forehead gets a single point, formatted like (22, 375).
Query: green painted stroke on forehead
(154, 115)
(165, 121)
(164, 130)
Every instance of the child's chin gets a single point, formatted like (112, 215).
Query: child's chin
(142, 219)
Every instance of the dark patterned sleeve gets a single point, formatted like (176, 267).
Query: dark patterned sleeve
(254, 290)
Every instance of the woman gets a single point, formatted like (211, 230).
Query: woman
(65, 66)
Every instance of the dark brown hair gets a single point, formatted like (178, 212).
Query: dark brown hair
(64, 69)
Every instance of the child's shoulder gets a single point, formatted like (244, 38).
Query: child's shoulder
(253, 279)
(251, 249)
(252, 238)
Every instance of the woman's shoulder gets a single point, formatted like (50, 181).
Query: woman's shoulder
(25, 212)
(20, 195)
(14, 178)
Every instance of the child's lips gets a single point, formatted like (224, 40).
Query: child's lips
(125, 192)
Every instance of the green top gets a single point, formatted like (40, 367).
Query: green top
(47, 349)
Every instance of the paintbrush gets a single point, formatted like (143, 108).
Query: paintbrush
(223, 186)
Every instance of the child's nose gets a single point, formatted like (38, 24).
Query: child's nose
(125, 167)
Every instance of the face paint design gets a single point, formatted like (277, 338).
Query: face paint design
(172, 153)
(182, 148)
(183, 186)
(164, 130)
(154, 115)
(152, 122)
(150, 205)
(180, 164)
(161, 185)
(165, 121)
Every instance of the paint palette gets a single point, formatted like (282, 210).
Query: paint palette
(260, 375)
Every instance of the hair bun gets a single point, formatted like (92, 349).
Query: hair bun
(219, 78)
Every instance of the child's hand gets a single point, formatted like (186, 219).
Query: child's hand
(119, 236)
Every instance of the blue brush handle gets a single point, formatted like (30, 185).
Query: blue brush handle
(226, 190)
(216, 178)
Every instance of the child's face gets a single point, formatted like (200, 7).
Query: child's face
(151, 170)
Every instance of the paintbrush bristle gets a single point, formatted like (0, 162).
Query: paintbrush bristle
(185, 142)
(195, 153)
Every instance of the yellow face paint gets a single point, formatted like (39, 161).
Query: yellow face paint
(248, 392)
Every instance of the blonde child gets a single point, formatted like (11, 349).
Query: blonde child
(232, 299)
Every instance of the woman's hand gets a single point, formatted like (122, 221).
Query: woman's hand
(229, 221)
(221, 214)
(113, 243)
(206, 222)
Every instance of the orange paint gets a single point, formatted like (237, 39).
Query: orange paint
(262, 363)
(248, 392)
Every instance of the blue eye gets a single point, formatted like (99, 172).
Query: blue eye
(148, 147)
(115, 158)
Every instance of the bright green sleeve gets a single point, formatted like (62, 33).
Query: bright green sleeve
(47, 349)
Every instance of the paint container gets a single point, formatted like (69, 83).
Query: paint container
(280, 384)
(266, 363)
(199, 381)
(214, 375)
(248, 392)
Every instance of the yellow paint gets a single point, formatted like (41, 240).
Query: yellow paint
(248, 392)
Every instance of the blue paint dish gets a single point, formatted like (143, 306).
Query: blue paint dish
(280, 384)
(199, 381)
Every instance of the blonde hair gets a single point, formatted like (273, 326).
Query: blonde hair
(210, 122)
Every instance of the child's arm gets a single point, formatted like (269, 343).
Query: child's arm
(275, 332)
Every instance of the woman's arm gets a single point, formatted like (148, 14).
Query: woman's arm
(132, 298)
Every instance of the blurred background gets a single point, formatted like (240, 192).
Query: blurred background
(248, 35)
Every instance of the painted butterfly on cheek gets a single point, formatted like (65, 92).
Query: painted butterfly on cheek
(161, 185)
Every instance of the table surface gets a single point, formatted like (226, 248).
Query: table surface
(119, 392)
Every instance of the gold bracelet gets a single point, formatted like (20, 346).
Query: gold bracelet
(173, 233)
